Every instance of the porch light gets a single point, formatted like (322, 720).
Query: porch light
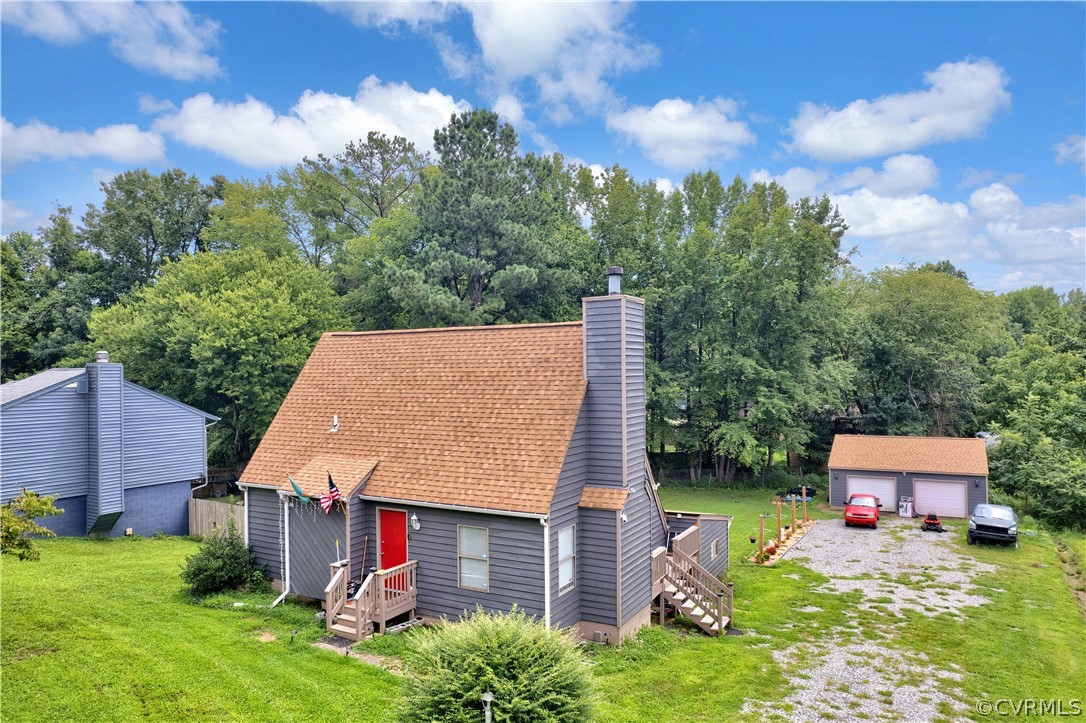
(487, 699)
(415, 522)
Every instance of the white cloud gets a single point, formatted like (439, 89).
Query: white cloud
(664, 185)
(254, 134)
(918, 226)
(149, 104)
(679, 134)
(962, 98)
(798, 182)
(1072, 149)
(162, 37)
(569, 51)
(35, 141)
(901, 176)
(14, 218)
(1046, 233)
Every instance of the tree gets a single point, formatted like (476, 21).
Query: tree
(484, 215)
(145, 221)
(18, 526)
(15, 339)
(371, 179)
(249, 215)
(226, 333)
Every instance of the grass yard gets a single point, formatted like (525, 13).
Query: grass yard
(104, 630)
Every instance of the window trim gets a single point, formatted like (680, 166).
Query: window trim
(461, 556)
(714, 549)
(572, 529)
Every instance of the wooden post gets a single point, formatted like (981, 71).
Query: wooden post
(804, 488)
(761, 533)
(780, 538)
(793, 514)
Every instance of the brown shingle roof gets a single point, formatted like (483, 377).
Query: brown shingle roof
(936, 455)
(603, 498)
(477, 416)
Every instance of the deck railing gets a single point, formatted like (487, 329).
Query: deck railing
(659, 569)
(688, 542)
(396, 591)
(699, 584)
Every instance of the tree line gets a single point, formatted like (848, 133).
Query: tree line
(762, 337)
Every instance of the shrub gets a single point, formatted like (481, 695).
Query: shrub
(223, 562)
(18, 527)
(534, 674)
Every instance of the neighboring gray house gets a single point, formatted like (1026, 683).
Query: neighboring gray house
(117, 456)
(945, 475)
(482, 466)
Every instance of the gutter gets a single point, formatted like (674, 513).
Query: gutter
(456, 508)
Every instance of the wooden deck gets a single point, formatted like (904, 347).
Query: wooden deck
(677, 578)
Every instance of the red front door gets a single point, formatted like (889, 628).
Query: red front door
(393, 549)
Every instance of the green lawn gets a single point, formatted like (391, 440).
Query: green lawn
(104, 631)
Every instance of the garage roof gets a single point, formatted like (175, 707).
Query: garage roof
(936, 455)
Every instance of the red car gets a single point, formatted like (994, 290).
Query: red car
(862, 510)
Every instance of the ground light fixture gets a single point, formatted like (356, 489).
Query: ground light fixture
(487, 699)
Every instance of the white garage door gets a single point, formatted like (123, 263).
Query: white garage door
(946, 499)
(885, 488)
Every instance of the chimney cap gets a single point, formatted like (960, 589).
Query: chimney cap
(101, 357)
(614, 271)
(614, 279)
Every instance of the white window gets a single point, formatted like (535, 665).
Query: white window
(714, 549)
(473, 551)
(567, 558)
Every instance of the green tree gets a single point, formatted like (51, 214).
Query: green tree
(145, 221)
(226, 333)
(250, 214)
(15, 339)
(485, 213)
(19, 527)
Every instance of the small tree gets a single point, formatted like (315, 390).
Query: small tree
(222, 562)
(18, 526)
(533, 673)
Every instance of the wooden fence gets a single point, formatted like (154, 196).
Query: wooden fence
(208, 515)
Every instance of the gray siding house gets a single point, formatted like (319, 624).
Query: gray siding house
(479, 467)
(116, 455)
(945, 475)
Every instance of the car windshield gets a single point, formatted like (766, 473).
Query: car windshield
(862, 502)
(997, 512)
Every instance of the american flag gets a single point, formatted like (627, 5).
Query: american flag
(332, 496)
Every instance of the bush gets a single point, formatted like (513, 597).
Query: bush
(534, 674)
(18, 528)
(223, 562)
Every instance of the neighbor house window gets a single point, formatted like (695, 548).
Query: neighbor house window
(473, 551)
(714, 549)
(567, 558)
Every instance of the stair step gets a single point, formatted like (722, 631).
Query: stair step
(345, 631)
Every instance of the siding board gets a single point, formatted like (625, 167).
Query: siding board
(265, 523)
(596, 536)
(44, 443)
(163, 442)
(566, 607)
(313, 536)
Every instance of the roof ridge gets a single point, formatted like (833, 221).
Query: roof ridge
(455, 328)
(904, 436)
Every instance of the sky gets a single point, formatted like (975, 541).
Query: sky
(941, 130)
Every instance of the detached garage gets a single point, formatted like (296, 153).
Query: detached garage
(945, 475)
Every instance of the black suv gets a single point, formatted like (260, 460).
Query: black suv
(994, 523)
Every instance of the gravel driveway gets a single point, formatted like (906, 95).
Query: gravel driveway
(894, 568)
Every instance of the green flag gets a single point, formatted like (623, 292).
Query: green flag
(298, 490)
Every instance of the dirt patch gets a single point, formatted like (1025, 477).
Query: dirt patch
(392, 665)
(266, 636)
(23, 653)
(1073, 573)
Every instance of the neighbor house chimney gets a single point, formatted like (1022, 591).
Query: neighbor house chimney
(614, 279)
(101, 357)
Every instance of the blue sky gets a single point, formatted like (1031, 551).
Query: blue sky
(942, 131)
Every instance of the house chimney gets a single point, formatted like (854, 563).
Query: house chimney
(614, 279)
(101, 357)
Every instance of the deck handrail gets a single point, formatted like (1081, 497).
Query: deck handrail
(688, 542)
(396, 591)
(685, 570)
(335, 595)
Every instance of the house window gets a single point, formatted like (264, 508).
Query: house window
(473, 550)
(567, 558)
(714, 549)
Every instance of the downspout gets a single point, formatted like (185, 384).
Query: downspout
(286, 551)
(546, 572)
(246, 516)
(207, 476)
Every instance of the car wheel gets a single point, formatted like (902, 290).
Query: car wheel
(875, 526)
(969, 539)
(848, 524)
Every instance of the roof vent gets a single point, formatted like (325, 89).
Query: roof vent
(101, 357)
(614, 279)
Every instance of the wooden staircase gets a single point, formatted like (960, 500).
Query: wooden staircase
(384, 594)
(695, 592)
